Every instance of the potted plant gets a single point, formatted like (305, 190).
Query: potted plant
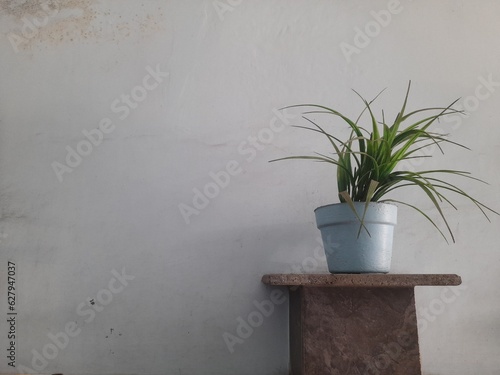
(357, 233)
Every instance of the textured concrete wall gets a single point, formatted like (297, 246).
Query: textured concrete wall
(137, 203)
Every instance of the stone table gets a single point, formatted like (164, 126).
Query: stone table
(354, 324)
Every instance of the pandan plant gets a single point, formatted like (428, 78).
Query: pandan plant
(366, 162)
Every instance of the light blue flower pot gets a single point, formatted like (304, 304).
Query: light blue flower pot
(348, 253)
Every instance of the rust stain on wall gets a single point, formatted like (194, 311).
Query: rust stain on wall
(44, 23)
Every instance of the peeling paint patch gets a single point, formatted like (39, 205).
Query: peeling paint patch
(46, 23)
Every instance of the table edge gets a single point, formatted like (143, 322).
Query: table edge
(362, 280)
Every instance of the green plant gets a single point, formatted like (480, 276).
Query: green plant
(366, 162)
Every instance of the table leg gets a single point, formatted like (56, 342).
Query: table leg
(353, 331)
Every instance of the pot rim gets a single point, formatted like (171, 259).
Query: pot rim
(342, 203)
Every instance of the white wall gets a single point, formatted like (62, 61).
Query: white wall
(229, 67)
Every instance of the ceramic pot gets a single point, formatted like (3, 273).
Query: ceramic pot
(348, 252)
